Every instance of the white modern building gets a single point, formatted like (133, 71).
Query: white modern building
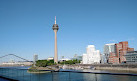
(92, 56)
(109, 48)
(50, 58)
(64, 59)
(103, 58)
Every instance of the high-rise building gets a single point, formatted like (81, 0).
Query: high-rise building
(55, 28)
(103, 59)
(131, 57)
(35, 58)
(109, 48)
(119, 56)
(92, 56)
(121, 49)
(113, 58)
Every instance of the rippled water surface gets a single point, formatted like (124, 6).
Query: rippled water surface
(20, 73)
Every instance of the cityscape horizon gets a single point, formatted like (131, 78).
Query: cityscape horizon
(29, 33)
(68, 40)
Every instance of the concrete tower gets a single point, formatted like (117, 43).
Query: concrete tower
(55, 28)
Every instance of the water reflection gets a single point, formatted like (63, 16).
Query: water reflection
(23, 75)
(105, 77)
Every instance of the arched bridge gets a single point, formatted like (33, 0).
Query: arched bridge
(14, 60)
(14, 56)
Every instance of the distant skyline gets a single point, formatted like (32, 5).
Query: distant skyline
(26, 26)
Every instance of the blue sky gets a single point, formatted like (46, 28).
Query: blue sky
(26, 26)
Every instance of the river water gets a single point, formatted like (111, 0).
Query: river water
(21, 74)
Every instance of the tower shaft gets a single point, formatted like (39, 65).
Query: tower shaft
(55, 28)
(56, 50)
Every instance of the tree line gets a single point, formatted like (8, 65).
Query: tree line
(44, 63)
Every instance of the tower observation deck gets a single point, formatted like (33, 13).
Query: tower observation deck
(55, 29)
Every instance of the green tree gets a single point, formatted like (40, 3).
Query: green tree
(44, 63)
(75, 61)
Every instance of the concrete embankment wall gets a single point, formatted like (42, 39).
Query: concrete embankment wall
(116, 68)
(127, 67)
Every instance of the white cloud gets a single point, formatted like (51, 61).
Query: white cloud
(113, 41)
(131, 39)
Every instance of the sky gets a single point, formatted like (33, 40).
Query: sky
(26, 26)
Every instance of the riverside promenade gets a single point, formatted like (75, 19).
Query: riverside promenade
(122, 67)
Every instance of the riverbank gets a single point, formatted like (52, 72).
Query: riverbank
(35, 72)
(43, 69)
(119, 67)
(38, 70)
